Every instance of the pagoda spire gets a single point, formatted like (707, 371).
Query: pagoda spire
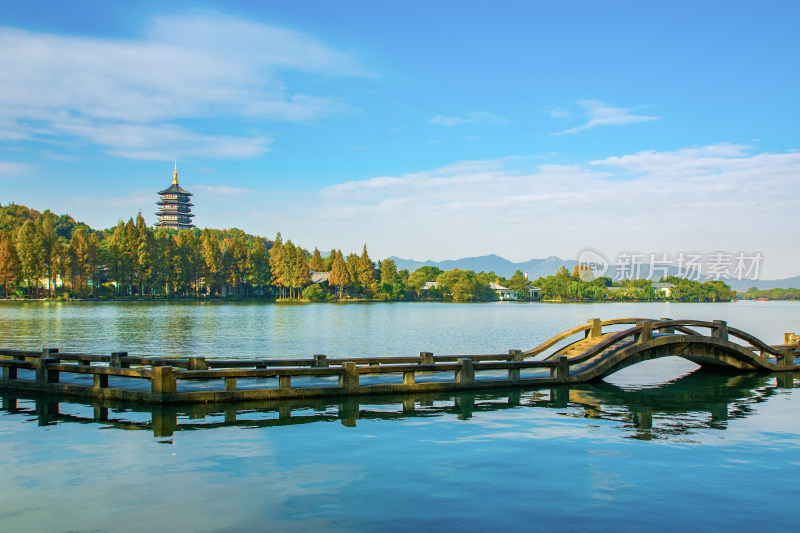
(175, 175)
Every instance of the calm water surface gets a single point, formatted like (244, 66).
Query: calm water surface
(659, 446)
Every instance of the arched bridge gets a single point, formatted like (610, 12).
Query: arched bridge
(602, 348)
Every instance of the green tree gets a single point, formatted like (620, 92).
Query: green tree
(212, 259)
(257, 270)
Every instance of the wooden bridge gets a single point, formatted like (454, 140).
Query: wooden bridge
(584, 353)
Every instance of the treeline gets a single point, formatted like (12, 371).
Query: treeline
(771, 294)
(564, 285)
(43, 254)
(46, 255)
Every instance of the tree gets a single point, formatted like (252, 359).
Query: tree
(352, 269)
(78, 254)
(9, 262)
(366, 273)
(275, 261)
(465, 286)
(47, 251)
(212, 259)
(257, 266)
(316, 263)
(388, 271)
(339, 277)
(300, 274)
(29, 252)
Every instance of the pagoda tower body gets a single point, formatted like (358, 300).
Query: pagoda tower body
(174, 208)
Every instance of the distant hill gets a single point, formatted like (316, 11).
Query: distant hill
(548, 266)
(786, 283)
(493, 263)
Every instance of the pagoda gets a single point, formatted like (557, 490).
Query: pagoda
(174, 209)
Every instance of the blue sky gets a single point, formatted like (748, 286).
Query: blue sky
(424, 129)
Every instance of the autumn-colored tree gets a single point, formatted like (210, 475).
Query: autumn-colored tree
(301, 276)
(316, 263)
(275, 263)
(29, 251)
(9, 262)
(339, 277)
(366, 273)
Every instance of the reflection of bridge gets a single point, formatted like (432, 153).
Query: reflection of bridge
(582, 354)
(698, 400)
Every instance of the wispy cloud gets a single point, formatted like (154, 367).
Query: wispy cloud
(10, 169)
(601, 114)
(198, 65)
(734, 193)
(477, 117)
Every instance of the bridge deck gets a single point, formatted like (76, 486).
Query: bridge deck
(593, 354)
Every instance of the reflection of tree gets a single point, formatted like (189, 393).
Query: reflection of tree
(673, 409)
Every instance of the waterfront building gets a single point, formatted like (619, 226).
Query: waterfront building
(174, 208)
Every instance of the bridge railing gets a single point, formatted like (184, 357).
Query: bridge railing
(594, 328)
(50, 368)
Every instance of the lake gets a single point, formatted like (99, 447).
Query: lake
(658, 446)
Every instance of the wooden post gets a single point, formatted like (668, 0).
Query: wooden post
(48, 352)
(561, 371)
(409, 378)
(320, 361)
(670, 329)
(198, 363)
(349, 377)
(646, 332)
(513, 374)
(100, 381)
(596, 330)
(516, 355)
(284, 382)
(164, 381)
(43, 375)
(116, 360)
(9, 372)
(721, 330)
(787, 357)
(466, 373)
(230, 384)
(426, 358)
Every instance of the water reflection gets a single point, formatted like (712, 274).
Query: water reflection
(696, 401)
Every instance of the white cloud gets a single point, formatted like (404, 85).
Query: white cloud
(10, 169)
(189, 66)
(477, 117)
(721, 197)
(600, 114)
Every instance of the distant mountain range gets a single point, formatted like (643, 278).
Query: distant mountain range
(548, 266)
